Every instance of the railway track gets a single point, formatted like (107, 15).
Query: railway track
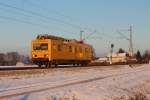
(17, 71)
(59, 66)
(36, 70)
(54, 67)
(50, 71)
(17, 68)
(31, 67)
(38, 87)
(35, 67)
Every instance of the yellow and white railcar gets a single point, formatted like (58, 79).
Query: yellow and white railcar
(47, 50)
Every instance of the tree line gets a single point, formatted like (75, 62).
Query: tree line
(11, 59)
(140, 58)
(143, 58)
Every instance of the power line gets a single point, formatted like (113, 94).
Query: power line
(23, 21)
(87, 37)
(129, 39)
(39, 15)
(131, 42)
(45, 9)
(19, 13)
(58, 13)
(27, 22)
(42, 16)
(120, 33)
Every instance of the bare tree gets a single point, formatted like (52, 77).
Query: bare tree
(138, 57)
(146, 56)
(121, 50)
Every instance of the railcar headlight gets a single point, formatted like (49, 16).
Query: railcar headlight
(34, 55)
(46, 55)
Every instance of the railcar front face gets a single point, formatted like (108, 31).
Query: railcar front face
(40, 52)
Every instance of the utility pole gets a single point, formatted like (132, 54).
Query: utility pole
(131, 43)
(129, 39)
(81, 36)
(111, 52)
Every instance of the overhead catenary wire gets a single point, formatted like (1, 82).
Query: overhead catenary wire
(22, 21)
(25, 22)
(42, 16)
(88, 36)
(120, 33)
(129, 39)
(39, 15)
(13, 12)
(48, 10)
(60, 14)
(28, 22)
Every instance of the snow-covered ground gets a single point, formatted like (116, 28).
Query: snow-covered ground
(114, 83)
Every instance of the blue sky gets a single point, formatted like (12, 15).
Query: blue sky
(66, 18)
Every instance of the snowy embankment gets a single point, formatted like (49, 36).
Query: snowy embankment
(95, 84)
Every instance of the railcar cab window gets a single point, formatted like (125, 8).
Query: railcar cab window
(41, 46)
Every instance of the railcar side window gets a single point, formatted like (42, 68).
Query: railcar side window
(54, 47)
(41, 46)
(59, 48)
(75, 49)
(80, 49)
(70, 48)
(86, 50)
(89, 50)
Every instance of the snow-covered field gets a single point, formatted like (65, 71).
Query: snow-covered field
(114, 83)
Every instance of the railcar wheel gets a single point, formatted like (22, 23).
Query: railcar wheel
(46, 65)
(56, 65)
(39, 65)
(78, 64)
(74, 65)
(49, 64)
(84, 64)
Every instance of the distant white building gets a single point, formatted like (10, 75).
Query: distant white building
(103, 60)
(117, 58)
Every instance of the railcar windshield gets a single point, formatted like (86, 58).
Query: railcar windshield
(40, 46)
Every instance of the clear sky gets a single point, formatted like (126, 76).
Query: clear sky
(22, 20)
